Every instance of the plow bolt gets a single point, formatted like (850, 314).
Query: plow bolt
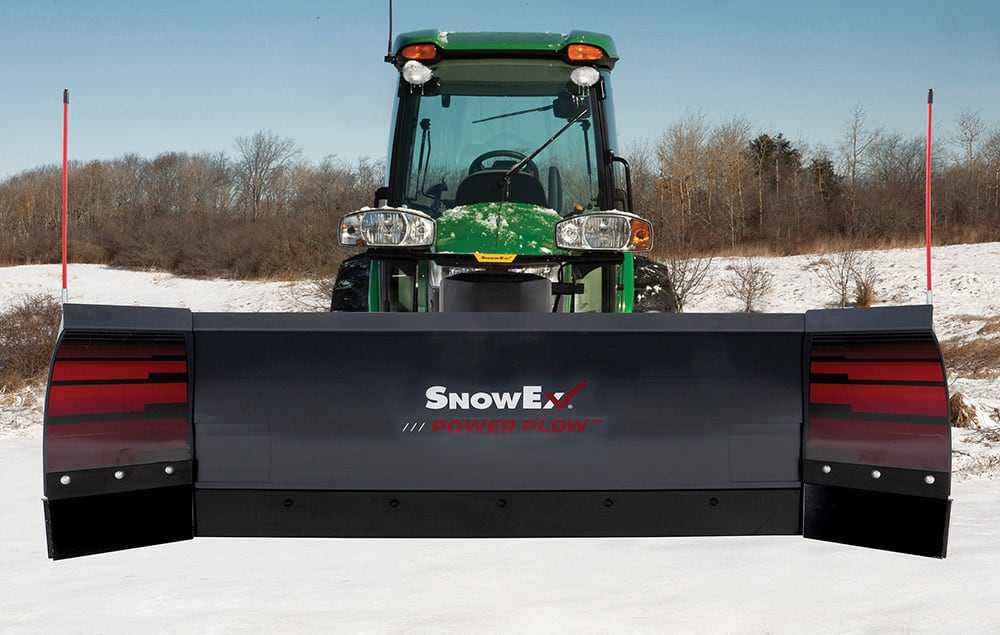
(827, 469)
(876, 474)
(929, 479)
(119, 475)
(168, 470)
(65, 479)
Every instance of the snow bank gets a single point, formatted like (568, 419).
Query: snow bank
(98, 284)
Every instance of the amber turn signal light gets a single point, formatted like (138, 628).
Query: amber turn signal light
(419, 52)
(642, 235)
(583, 53)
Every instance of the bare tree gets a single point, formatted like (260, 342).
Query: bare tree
(260, 167)
(836, 272)
(866, 277)
(731, 169)
(368, 175)
(750, 282)
(681, 154)
(208, 190)
(164, 184)
(126, 184)
(855, 150)
(896, 160)
(893, 198)
(840, 270)
(645, 186)
(687, 277)
(970, 128)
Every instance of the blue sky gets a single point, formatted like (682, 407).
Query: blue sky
(191, 76)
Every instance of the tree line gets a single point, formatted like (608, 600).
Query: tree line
(723, 188)
(708, 188)
(260, 213)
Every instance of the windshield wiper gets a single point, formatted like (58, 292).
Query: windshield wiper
(505, 181)
(519, 112)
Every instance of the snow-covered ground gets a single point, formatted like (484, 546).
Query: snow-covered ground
(703, 585)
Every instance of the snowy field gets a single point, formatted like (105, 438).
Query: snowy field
(703, 585)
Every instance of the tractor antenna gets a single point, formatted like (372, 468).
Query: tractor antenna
(388, 49)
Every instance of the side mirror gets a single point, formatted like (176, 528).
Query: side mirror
(381, 196)
(566, 106)
(611, 159)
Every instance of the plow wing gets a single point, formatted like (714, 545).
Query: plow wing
(162, 425)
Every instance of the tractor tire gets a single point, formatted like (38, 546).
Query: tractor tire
(653, 291)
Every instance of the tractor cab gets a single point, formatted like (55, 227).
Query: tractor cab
(504, 190)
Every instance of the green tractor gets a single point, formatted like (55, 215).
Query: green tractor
(494, 365)
(505, 188)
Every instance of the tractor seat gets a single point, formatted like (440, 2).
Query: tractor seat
(484, 187)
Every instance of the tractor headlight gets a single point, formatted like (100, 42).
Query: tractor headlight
(387, 227)
(605, 231)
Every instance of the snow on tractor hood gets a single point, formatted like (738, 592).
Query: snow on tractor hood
(511, 228)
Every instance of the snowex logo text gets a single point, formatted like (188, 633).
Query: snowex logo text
(443, 401)
(528, 398)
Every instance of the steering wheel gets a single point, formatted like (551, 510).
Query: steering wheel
(477, 163)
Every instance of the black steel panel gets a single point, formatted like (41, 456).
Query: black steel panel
(111, 522)
(105, 317)
(497, 513)
(648, 401)
(919, 317)
(891, 522)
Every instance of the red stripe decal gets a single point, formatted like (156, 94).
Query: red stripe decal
(878, 350)
(927, 401)
(904, 445)
(881, 370)
(74, 349)
(105, 381)
(111, 370)
(112, 398)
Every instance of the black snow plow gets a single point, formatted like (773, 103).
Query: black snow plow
(162, 425)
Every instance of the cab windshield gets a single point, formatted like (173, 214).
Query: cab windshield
(477, 119)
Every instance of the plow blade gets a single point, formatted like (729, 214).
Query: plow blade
(162, 425)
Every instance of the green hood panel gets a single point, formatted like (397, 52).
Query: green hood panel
(498, 228)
